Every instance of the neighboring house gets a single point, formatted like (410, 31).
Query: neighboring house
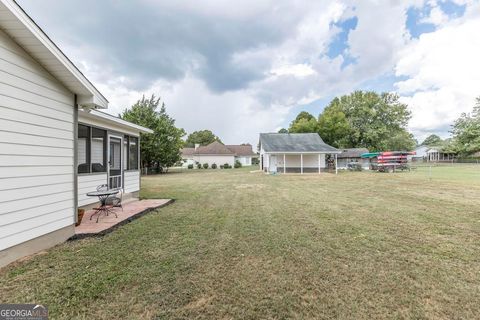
(53, 146)
(294, 152)
(215, 152)
(353, 155)
(420, 154)
(438, 154)
(219, 154)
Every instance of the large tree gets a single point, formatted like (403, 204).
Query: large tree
(303, 123)
(161, 149)
(367, 119)
(202, 137)
(466, 131)
(333, 125)
(432, 140)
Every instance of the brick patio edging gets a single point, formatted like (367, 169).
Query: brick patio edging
(121, 223)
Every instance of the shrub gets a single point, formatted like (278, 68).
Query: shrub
(199, 166)
(190, 166)
(205, 166)
(237, 164)
(222, 166)
(255, 161)
(226, 166)
(214, 166)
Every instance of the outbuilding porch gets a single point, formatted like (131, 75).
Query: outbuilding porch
(308, 162)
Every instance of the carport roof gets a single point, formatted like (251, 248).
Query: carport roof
(295, 143)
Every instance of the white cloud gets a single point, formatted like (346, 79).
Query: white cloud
(436, 16)
(266, 58)
(441, 70)
(235, 116)
(297, 70)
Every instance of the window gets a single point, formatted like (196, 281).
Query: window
(83, 149)
(98, 150)
(133, 153)
(91, 149)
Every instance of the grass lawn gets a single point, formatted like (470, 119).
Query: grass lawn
(240, 245)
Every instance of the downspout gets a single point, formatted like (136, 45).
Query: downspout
(75, 158)
(139, 167)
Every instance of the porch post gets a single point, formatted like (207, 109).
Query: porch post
(284, 165)
(319, 162)
(301, 163)
(336, 164)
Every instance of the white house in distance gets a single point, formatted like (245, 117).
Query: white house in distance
(420, 154)
(219, 154)
(294, 152)
(54, 147)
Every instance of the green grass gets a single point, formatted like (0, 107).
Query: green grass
(240, 245)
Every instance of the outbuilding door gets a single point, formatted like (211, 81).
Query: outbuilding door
(273, 163)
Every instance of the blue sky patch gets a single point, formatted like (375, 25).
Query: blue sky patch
(452, 9)
(414, 24)
(415, 15)
(339, 44)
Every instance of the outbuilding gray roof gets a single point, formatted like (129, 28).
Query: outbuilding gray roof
(352, 153)
(295, 142)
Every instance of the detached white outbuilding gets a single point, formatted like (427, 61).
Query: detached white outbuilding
(54, 147)
(295, 153)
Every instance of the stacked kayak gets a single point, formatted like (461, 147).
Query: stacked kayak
(388, 161)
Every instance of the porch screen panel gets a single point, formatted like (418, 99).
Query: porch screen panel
(98, 150)
(133, 154)
(83, 152)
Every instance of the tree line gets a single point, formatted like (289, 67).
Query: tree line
(465, 134)
(360, 119)
(379, 122)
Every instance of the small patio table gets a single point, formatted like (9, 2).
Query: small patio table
(103, 208)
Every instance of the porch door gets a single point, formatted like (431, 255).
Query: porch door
(273, 163)
(115, 162)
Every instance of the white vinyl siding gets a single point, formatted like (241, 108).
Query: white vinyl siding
(88, 183)
(217, 159)
(245, 161)
(36, 149)
(132, 181)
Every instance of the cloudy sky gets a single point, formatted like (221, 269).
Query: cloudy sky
(249, 67)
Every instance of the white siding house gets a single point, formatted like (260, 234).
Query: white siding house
(219, 154)
(41, 92)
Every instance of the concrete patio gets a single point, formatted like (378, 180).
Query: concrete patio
(131, 210)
